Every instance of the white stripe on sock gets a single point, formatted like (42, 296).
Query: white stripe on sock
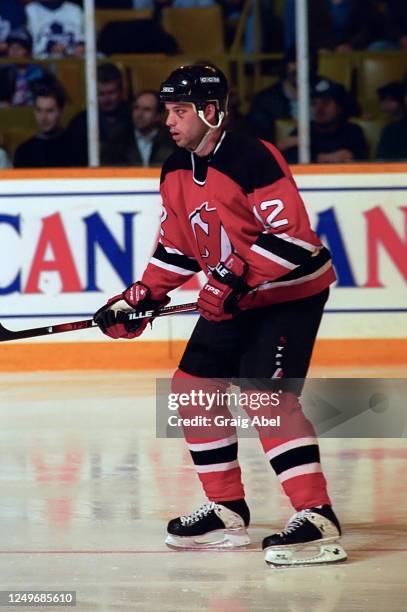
(217, 467)
(300, 470)
(286, 446)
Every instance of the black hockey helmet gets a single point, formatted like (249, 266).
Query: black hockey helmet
(197, 84)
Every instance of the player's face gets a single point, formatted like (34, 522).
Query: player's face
(47, 114)
(145, 112)
(186, 128)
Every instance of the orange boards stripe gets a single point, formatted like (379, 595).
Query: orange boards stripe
(147, 355)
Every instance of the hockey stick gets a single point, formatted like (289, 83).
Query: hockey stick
(7, 334)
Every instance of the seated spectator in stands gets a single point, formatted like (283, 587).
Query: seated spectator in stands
(12, 17)
(150, 142)
(393, 139)
(48, 148)
(396, 14)
(113, 4)
(115, 122)
(391, 99)
(157, 4)
(17, 80)
(232, 10)
(235, 119)
(4, 159)
(333, 138)
(138, 35)
(339, 25)
(279, 101)
(57, 28)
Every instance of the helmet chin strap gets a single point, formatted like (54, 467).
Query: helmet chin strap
(209, 132)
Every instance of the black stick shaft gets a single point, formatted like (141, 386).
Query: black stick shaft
(7, 334)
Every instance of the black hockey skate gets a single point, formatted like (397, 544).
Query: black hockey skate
(213, 525)
(313, 528)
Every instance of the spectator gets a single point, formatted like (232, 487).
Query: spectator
(338, 25)
(396, 14)
(48, 148)
(279, 101)
(333, 138)
(391, 99)
(17, 80)
(57, 28)
(12, 17)
(4, 159)
(115, 122)
(235, 120)
(114, 4)
(151, 142)
(159, 4)
(393, 139)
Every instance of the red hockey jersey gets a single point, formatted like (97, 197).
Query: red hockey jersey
(242, 198)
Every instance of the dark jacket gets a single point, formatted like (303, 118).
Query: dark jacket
(43, 152)
(267, 106)
(346, 136)
(365, 24)
(393, 141)
(163, 146)
(114, 133)
(13, 14)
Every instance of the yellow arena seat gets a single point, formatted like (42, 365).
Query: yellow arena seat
(196, 30)
(372, 129)
(337, 67)
(150, 73)
(70, 73)
(283, 128)
(375, 70)
(105, 16)
(12, 117)
(14, 137)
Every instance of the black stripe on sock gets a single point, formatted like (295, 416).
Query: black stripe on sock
(215, 455)
(295, 457)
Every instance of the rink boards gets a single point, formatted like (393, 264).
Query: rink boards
(69, 239)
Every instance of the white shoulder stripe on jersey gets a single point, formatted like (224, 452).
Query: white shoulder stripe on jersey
(279, 260)
(173, 251)
(170, 267)
(297, 281)
(301, 243)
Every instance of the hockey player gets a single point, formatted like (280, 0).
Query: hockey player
(232, 209)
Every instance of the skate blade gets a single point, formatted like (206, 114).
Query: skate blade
(215, 539)
(283, 558)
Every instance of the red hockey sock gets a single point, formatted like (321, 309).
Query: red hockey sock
(294, 454)
(213, 450)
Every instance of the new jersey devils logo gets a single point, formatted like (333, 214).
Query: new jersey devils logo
(211, 238)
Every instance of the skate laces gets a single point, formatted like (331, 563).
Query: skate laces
(295, 522)
(196, 516)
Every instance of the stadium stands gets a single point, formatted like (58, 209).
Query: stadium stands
(200, 36)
